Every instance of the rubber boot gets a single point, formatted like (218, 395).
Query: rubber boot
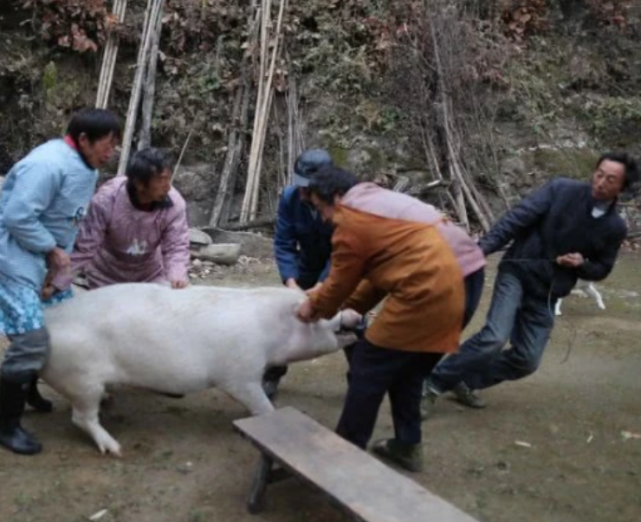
(407, 456)
(13, 396)
(271, 380)
(35, 400)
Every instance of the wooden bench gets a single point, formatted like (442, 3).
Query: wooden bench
(352, 479)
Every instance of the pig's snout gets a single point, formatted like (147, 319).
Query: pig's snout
(352, 328)
(350, 319)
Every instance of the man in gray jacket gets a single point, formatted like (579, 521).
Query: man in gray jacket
(564, 231)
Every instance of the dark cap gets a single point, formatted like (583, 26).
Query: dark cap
(308, 163)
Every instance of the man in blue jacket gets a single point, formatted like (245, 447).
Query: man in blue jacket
(302, 243)
(564, 231)
(44, 197)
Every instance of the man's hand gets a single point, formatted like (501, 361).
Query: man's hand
(180, 283)
(47, 286)
(291, 283)
(47, 292)
(306, 312)
(58, 260)
(570, 260)
(314, 289)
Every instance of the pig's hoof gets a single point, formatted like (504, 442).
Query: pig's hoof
(111, 448)
(108, 445)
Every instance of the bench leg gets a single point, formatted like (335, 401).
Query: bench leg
(255, 501)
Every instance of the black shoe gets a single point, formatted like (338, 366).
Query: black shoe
(15, 438)
(37, 401)
(408, 456)
(468, 397)
(13, 396)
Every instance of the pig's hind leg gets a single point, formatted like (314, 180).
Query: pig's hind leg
(251, 395)
(85, 409)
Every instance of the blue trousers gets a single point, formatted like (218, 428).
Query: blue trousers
(525, 321)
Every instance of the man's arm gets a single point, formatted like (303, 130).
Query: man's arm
(90, 238)
(597, 269)
(518, 219)
(365, 297)
(345, 275)
(175, 247)
(325, 273)
(33, 192)
(285, 242)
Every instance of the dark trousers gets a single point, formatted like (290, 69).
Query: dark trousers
(513, 316)
(276, 373)
(373, 372)
(473, 291)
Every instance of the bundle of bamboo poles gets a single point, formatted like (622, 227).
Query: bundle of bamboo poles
(152, 27)
(462, 185)
(264, 98)
(109, 57)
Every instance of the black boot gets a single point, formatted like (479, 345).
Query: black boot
(37, 401)
(13, 396)
(271, 380)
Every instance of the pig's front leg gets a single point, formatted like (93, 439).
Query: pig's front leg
(251, 395)
(85, 410)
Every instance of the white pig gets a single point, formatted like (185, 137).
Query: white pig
(179, 341)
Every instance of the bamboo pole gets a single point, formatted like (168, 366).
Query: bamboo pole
(253, 154)
(182, 153)
(153, 8)
(253, 198)
(109, 57)
(244, 112)
(231, 159)
(294, 137)
(462, 188)
(150, 84)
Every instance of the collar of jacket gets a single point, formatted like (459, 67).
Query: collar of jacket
(607, 206)
(155, 205)
(72, 143)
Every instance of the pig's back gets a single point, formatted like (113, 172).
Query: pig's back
(147, 334)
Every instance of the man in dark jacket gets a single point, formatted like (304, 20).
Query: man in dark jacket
(302, 244)
(564, 231)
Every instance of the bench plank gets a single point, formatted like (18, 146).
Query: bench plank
(367, 488)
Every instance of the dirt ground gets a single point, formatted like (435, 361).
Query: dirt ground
(559, 446)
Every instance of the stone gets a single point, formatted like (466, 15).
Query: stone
(196, 182)
(199, 211)
(222, 254)
(252, 245)
(198, 237)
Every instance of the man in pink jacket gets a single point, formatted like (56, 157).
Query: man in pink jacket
(136, 230)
